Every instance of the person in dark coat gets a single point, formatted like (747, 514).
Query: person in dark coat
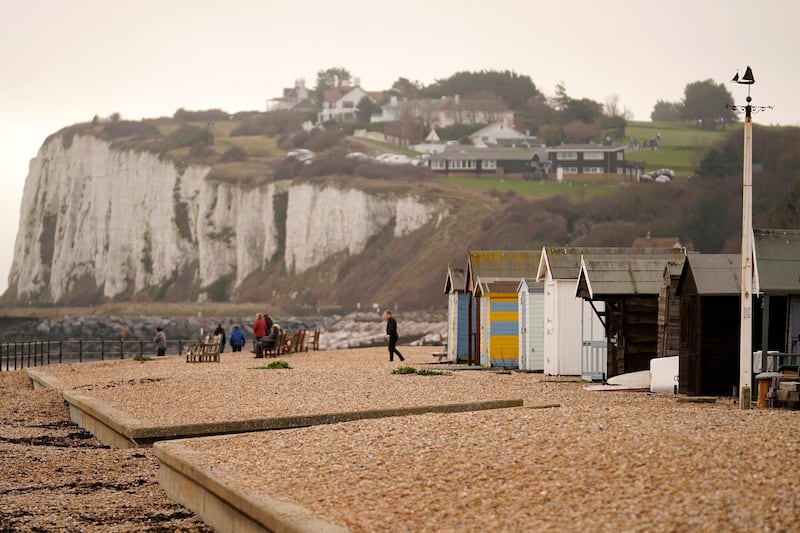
(391, 335)
(221, 332)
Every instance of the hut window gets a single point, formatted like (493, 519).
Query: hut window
(593, 156)
(489, 164)
(438, 164)
(567, 155)
(593, 170)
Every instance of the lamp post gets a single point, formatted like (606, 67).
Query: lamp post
(746, 314)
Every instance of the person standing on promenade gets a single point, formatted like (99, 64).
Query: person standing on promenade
(391, 335)
(237, 339)
(160, 341)
(259, 332)
(221, 332)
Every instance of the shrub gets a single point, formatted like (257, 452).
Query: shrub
(142, 358)
(125, 128)
(279, 364)
(270, 124)
(187, 135)
(233, 154)
(208, 115)
(404, 370)
(419, 372)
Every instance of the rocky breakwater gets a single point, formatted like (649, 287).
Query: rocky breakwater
(337, 332)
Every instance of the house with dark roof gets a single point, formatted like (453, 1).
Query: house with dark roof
(591, 159)
(477, 160)
(295, 98)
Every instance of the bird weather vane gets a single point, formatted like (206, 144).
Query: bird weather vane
(747, 79)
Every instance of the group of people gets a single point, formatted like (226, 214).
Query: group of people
(266, 334)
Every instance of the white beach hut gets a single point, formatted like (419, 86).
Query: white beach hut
(531, 324)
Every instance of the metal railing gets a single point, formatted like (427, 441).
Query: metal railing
(15, 355)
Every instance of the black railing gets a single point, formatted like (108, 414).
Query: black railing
(29, 353)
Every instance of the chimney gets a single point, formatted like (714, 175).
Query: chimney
(356, 82)
(457, 99)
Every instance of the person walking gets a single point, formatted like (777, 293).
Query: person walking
(391, 335)
(160, 341)
(220, 331)
(237, 339)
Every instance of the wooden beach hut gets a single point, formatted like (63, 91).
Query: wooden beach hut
(458, 310)
(530, 298)
(709, 291)
(492, 280)
(777, 277)
(629, 286)
(575, 342)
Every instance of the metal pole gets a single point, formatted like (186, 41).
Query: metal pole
(746, 325)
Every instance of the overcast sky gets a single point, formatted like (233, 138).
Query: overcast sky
(64, 62)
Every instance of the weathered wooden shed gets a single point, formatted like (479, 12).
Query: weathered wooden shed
(458, 309)
(492, 280)
(709, 291)
(629, 286)
(669, 312)
(777, 277)
(530, 298)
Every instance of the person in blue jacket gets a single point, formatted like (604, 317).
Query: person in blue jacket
(237, 339)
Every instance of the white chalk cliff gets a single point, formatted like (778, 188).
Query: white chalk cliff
(118, 222)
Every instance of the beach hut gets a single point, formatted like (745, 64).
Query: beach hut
(530, 299)
(492, 280)
(777, 277)
(458, 309)
(629, 286)
(709, 291)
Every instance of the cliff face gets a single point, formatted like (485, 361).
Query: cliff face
(101, 223)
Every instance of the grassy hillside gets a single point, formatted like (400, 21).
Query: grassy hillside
(682, 145)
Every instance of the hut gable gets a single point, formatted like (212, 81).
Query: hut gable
(777, 261)
(456, 280)
(508, 264)
(624, 275)
(711, 275)
(565, 262)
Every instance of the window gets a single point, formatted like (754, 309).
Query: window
(593, 156)
(567, 155)
(348, 104)
(489, 164)
(462, 164)
(621, 170)
(570, 170)
(593, 170)
(438, 164)
(620, 156)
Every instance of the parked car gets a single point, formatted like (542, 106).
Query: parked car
(358, 156)
(301, 154)
(663, 178)
(646, 178)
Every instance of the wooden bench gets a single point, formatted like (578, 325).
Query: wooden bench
(441, 354)
(206, 351)
(278, 348)
(313, 342)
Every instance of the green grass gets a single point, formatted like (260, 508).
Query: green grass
(255, 145)
(142, 358)
(419, 372)
(388, 146)
(683, 145)
(535, 189)
(279, 364)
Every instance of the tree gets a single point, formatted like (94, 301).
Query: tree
(366, 108)
(667, 111)
(704, 101)
(330, 78)
(513, 89)
(405, 88)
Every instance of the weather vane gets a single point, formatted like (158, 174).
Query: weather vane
(747, 79)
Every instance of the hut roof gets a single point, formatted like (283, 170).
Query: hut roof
(713, 274)
(777, 260)
(493, 285)
(624, 275)
(532, 283)
(495, 265)
(565, 262)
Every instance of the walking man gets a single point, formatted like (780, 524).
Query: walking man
(160, 341)
(391, 335)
